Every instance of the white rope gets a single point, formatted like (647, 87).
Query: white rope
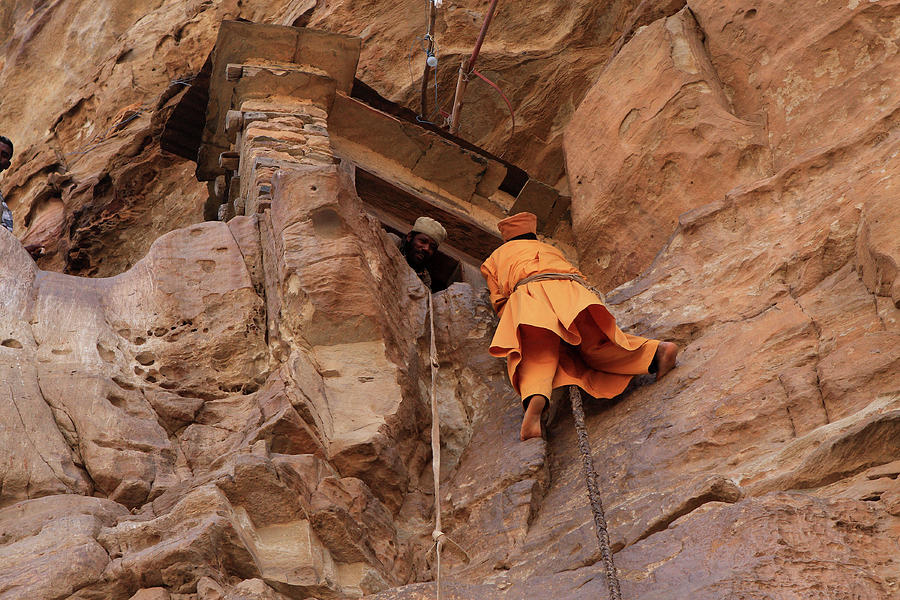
(439, 537)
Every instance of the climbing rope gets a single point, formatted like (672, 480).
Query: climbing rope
(440, 538)
(587, 461)
(437, 535)
(590, 477)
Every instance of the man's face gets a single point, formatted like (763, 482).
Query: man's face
(421, 249)
(5, 156)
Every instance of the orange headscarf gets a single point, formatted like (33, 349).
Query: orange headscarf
(518, 224)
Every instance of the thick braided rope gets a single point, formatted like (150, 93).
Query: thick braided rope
(440, 538)
(590, 477)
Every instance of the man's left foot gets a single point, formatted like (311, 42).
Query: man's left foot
(665, 358)
(531, 422)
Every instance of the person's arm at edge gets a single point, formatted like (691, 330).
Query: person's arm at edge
(498, 300)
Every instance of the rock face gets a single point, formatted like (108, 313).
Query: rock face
(241, 410)
(89, 182)
(711, 99)
(669, 140)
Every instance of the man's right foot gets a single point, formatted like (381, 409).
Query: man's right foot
(531, 422)
(665, 358)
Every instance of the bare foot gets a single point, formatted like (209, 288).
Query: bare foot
(665, 358)
(531, 422)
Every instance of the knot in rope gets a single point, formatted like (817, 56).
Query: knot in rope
(439, 537)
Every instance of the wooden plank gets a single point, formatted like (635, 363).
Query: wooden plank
(463, 233)
(424, 154)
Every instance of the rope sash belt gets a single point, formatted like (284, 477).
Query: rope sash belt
(560, 276)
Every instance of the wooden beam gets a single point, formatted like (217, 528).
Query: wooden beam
(463, 233)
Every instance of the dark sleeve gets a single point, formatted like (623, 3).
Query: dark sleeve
(6, 219)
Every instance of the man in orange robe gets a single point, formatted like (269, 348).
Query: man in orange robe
(553, 330)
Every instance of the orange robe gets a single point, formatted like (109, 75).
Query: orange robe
(594, 354)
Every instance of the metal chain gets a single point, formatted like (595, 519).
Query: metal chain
(590, 477)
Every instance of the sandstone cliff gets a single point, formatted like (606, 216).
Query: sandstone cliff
(208, 410)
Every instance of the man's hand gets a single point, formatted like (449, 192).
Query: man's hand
(35, 250)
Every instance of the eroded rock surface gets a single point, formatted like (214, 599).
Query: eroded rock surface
(240, 410)
(254, 392)
(88, 166)
(718, 96)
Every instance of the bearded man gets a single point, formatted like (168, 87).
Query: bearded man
(420, 244)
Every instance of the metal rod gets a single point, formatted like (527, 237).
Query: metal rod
(466, 68)
(481, 36)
